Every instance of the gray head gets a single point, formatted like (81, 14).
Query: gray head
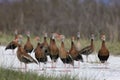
(63, 38)
(20, 39)
(53, 36)
(28, 33)
(45, 35)
(16, 32)
(78, 34)
(73, 38)
(92, 36)
(103, 37)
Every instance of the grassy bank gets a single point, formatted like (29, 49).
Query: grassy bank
(114, 47)
(7, 74)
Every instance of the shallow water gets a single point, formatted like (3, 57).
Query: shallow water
(91, 70)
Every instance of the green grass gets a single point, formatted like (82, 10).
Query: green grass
(8, 74)
(114, 47)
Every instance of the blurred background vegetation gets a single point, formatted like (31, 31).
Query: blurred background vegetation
(62, 16)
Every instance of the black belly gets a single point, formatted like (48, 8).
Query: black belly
(28, 51)
(103, 58)
(44, 60)
(78, 58)
(67, 60)
(54, 57)
(11, 47)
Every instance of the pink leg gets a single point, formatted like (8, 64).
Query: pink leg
(21, 65)
(25, 67)
(55, 65)
(65, 67)
(39, 66)
(69, 65)
(52, 64)
(87, 58)
(105, 65)
(44, 67)
(13, 52)
(78, 64)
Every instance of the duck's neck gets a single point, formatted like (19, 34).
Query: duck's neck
(72, 44)
(92, 43)
(19, 47)
(103, 43)
(62, 44)
(16, 36)
(28, 38)
(45, 39)
(53, 40)
(78, 40)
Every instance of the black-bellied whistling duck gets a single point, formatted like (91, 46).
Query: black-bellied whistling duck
(89, 49)
(64, 55)
(16, 34)
(103, 53)
(78, 44)
(74, 53)
(12, 45)
(39, 54)
(45, 45)
(28, 46)
(54, 51)
(23, 56)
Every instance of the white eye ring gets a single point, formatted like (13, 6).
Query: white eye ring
(92, 36)
(103, 37)
(53, 36)
(45, 34)
(62, 37)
